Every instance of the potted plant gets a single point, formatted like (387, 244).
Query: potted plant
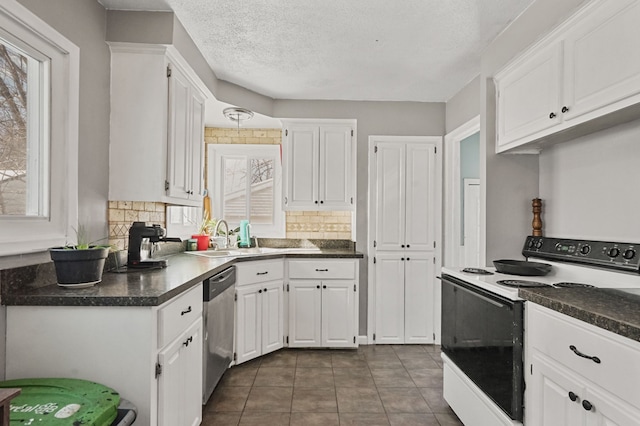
(205, 229)
(79, 265)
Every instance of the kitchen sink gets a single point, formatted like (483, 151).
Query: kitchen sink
(236, 252)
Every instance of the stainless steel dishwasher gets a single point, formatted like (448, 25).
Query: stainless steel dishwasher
(218, 316)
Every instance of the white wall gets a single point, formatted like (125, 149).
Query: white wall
(588, 186)
(464, 105)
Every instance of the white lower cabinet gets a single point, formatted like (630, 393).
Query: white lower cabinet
(405, 293)
(322, 303)
(259, 309)
(151, 355)
(565, 388)
(179, 402)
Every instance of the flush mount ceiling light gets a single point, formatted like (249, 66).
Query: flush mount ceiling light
(237, 114)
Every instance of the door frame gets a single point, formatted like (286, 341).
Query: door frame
(452, 209)
(371, 225)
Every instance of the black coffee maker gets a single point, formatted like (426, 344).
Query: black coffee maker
(141, 239)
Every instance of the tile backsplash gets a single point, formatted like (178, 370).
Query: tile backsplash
(123, 213)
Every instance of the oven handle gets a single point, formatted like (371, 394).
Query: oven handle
(475, 294)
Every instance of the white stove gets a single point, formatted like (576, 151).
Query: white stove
(482, 321)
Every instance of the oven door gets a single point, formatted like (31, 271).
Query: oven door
(482, 334)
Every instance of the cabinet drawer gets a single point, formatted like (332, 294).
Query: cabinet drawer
(175, 316)
(322, 269)
(259, 271)
(553, 334)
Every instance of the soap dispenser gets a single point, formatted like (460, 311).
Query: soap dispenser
(244, 234)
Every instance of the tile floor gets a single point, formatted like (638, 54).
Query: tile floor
(373, 385)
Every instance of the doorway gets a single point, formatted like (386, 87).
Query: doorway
(463, 245)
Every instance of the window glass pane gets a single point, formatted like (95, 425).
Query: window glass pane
(15, 154)
(235, 189)
(261, 204)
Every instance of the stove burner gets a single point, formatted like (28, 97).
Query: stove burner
(477, 271)
(573, 285)
(522, 283)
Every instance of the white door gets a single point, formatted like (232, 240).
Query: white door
(609, 410)
(602, 59)
(551, 391)
(420, 197)
(171, 385)
(335, 167)
(419, 297)
(390, 297)
(529, 96)
(248, 323)
(272, 317)
(390, 197)
(304, 313)
(178, 157)
(302, 161)
(337, 313)
(471, 223)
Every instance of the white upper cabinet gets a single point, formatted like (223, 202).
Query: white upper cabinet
(157, 126)
(406, 194)
(319, 165)
(586, 71)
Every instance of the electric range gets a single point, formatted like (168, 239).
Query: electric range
(483, 321)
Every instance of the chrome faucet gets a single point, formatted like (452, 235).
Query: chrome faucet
(216, 231)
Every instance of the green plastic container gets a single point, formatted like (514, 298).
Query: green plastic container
(62, 402)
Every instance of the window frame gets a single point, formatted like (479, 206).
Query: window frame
(215, 154)
(25, 234)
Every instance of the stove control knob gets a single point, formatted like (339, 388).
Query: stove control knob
(613, 252)
(539, 244)
(531, 243)
(629, 254)
(585, 249)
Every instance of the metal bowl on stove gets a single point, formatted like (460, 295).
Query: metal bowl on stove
(521, 267)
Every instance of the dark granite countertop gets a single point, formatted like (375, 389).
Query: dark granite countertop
(615, 310)
(32, 286)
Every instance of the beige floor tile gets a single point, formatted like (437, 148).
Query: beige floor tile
(424, 361)
(221, 419)
(392, 377)
(412, 419)
(273, 399)
(403, 400)
(314, 400)
(353, 377)
(427, 377)
(284, 358)
(275, 376)
(264, 418)
(313, 377)
(434, 399)
(314, 359)
(363, 419)
(448, 420)
(239, 376)
(359, 400)
(315, 419)
(228, 399)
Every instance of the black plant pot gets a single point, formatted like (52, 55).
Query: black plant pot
(77, 267)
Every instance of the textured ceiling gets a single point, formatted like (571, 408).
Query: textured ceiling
(382, 50)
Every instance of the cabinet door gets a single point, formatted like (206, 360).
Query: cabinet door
(302, 151)
(419, 296)
(335, 172)
(180, 382)
(608, 410)
(390, 196)
(197, 146)
(179, 149)
(529, 96)
(390, 296)
(272, 317)
(337, 313)
(304, 313)
(248, 323)
(192, 395)
(550, 392)
(602, 63)
(420, 204)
